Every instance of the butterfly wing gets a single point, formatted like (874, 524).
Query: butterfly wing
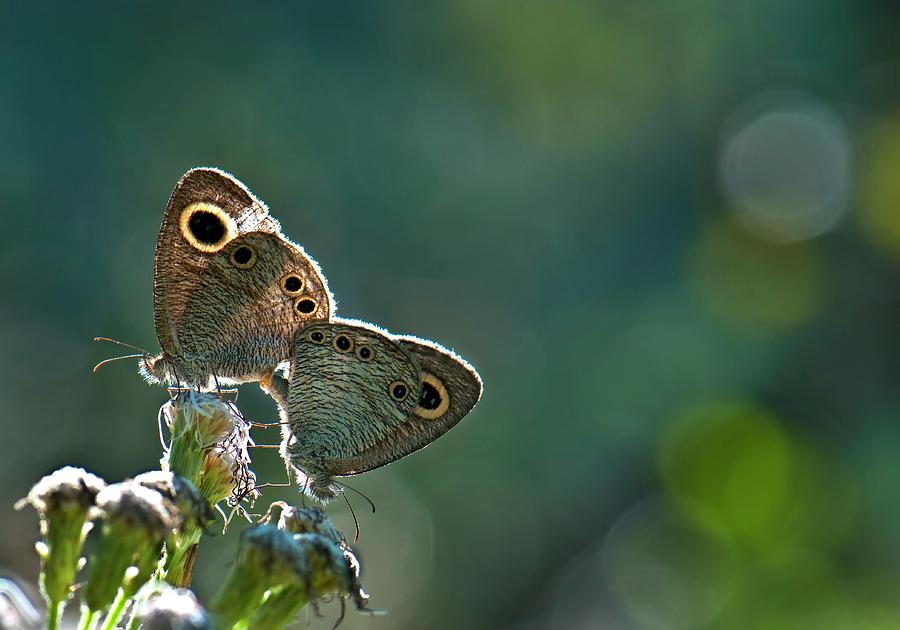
(218, 306)
(449, 389)
(350, 416)
(247, 304)
(351, 385)
(207, 209)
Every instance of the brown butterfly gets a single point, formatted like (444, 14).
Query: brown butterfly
(359, 397)
(229, 289)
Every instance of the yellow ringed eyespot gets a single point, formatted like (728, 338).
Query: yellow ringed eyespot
(343, 343)
(433, 399)
(243, 257)
(292, 284)
(305, 305)
(206, 227)
(398, 391)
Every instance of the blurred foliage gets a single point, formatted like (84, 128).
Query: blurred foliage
(691, 409)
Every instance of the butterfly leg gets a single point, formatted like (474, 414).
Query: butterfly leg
(276, 387)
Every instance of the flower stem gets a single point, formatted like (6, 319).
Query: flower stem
(115, 612)
(236, 599)
(280, 608)
(181, 552)
(54, 610)
(115, 554)
(89, 618)
(59, 564)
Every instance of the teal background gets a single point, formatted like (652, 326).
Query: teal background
(666, 233)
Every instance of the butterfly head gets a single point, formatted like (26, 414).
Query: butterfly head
(157, 369)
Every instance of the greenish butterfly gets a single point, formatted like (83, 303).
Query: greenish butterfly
(358, 397)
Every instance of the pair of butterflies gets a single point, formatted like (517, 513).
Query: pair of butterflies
(234, 300)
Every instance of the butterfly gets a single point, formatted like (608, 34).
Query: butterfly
(229, 289)
(359, 397)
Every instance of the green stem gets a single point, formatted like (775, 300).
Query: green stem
(235, 599)
(115, 612)
(181, 553)
(64, 540)
(89, 618)
(115, 554)
(181, 569)
(280, 608)
(54, 610)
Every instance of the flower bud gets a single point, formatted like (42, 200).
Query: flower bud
(304, 520)
(136, 522)
(192, 507)
(64, 501)
(267, 558)
(329, 568)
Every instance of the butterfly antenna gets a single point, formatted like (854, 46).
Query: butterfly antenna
(122, 343)
(349, 487)
(353, 514)
(125, 356)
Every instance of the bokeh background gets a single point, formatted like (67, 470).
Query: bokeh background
(667, 234)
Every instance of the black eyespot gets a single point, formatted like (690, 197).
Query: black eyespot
(292, 284)
(242, 255)
(364, 353)
(206, 227)
(430, 398)
(343, 343)
(398, 391)
(305, 305)
(317, 336)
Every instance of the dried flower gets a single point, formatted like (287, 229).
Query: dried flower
(225, 473)
(197, 422)
(63, 500)
(209, 446)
